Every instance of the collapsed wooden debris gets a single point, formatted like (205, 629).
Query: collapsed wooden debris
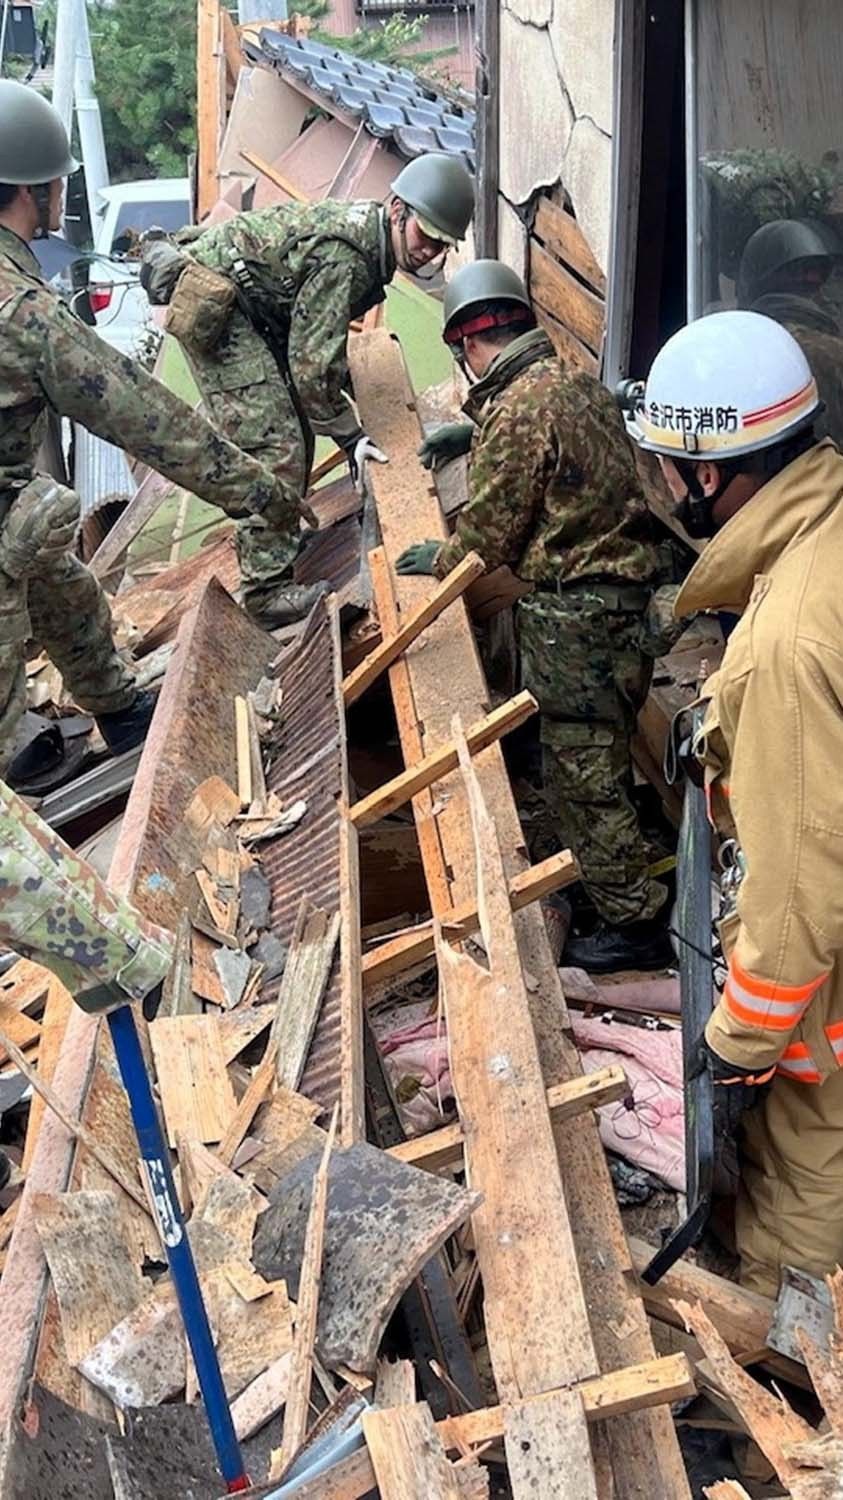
(496, 1234)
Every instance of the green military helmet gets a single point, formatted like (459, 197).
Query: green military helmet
(779, 244)
(34, 148)
(440, 192)
(480, 281)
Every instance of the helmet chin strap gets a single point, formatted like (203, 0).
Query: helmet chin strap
(41, 193)
(696, 509)
(404, 262)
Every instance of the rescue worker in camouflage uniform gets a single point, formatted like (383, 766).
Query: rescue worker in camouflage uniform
(784, 268)
(554, 493)
(262, 303)
(729, 408)
(55, 910)
(50, 361)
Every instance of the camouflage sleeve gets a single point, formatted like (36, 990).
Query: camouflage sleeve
(319, 335)
(87, 380)
(506, 485)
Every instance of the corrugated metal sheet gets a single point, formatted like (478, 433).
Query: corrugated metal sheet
(306, 764)
(100, 471)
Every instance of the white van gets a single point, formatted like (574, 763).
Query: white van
(118, 301)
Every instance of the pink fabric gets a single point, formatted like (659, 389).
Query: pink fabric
(648, 1128)
(416, 1060)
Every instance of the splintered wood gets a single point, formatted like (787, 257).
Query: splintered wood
(196, 1093)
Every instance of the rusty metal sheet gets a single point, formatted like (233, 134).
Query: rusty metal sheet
(307, 764)
(167, 596)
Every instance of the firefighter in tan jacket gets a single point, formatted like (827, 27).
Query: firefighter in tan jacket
(729, 408)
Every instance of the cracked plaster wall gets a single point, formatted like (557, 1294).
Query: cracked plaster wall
(556, 62)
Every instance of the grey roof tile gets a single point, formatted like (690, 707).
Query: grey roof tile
(392, 102)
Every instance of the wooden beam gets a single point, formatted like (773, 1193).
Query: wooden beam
(352, 1066)
(521, 1230)
(53, 1026)
(276, 177)
(433, 767)
(400, 685)
(208, 120)
(391, 647)
(413, 947)
(310, 1281)
(444, 1148)
(548, 1451)
(427, 687)
(262, 1080)
(232, 51)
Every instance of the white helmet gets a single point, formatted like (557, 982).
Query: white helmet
(730, 383)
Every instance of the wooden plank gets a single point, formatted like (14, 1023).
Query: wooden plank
(24, 1032)
(396, 1383)
(352, 1066)
(391, 647)
(152, 491)
(407, 1455)
(565, 298)
(244, 752)
(433, 767)
(569, 348)
(427, 826)
(234, 58)
(306, 974)
(307, 1309)
(207, 105)
(261, 1400)
(267, 170)
(565, 1101)
(53, 1024)
(547, 1449)
(413, 947)
(642, 1445)
(204, 977)
(657, 1382)
(75, 1127)
(262, 1080)
(197, 1097)
(560, 232)
(93, 1266)
(521, 1230)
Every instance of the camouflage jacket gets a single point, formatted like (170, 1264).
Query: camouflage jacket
(553, 487)
(56, 910)
(316, 267)
(48, 358)
(820, 340)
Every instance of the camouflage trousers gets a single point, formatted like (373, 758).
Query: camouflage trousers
(583, 660)
(249, 401)
(63, 608)
(56, 910)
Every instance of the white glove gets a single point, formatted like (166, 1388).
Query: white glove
(363, 450)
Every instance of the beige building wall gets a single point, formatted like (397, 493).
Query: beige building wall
(556, 71)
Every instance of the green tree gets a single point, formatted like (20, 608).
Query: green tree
(145, 59)
(392, 41)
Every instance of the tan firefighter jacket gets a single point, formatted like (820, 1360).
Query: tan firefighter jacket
(772, 746)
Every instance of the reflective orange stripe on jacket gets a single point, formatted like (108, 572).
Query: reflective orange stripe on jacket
(772, 1007)
(797, 1062)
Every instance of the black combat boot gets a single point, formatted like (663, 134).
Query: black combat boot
(128, 727)
(289, 603)
(635, 945)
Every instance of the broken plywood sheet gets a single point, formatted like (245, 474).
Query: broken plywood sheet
(263, 1399)
(407, 1455)
(306, 975)
(107, 1116)
(231, 1206)
(197, 1097)
(384, 1222)
(252, 1334)
(199, 1167)
(141, 1361)
(93, 1267)
(205, 975)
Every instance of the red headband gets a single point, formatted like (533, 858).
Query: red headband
(456, 332)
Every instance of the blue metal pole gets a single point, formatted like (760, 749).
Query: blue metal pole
(153, 1149)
